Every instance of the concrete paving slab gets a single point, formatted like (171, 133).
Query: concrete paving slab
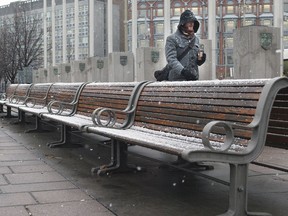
(22, 156)
(84, 208)
(16, 199)
(2, 180)
(33, 187)
(13, 211)
(34, 177)
(9, 150)
(8, 143)
(60, 196)
(31, 168)
(5, 170)
(17, 162)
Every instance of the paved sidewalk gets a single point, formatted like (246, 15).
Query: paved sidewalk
(31, 187)
(38, 181)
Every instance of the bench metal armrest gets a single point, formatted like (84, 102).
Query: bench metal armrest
(32, 101)
(3, 96)
(58, 107)
(110, 118)
(110, 114)
(15, 99)
(229, 132)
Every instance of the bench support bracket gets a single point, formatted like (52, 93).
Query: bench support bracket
(65, 138)
(38, 126)
(118, 163)
(238, 192)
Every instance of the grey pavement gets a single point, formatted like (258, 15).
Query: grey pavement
(38, 181)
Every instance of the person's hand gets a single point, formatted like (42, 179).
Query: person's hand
(187, 74)
(201, 60)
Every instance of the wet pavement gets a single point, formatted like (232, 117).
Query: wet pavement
(37, 181)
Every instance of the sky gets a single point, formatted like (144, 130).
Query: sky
(6, 2)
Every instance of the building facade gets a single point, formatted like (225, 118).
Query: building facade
(230, 15)
(73, 29)
(77, 29)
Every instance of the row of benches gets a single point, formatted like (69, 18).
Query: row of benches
(216, 121)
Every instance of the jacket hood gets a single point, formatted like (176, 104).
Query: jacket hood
(188, 16)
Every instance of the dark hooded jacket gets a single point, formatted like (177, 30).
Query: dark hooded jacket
(176, 43)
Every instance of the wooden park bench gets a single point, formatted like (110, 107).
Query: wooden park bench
(36, 95)
(20, 92)
(37, 103)
(10, 91)
(202, 121)
(79, 114)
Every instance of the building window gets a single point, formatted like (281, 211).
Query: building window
(177, 9)
(142, 11)
(160, 12)
(159, 28)
(266, 8)
(266, 22)
(142, 28)
(174, 26)
(195, 8)
(229, 26)
(285, 41)
(230, 10)
(285, 25)
(159, 43)
(229, 43)
(248, 22)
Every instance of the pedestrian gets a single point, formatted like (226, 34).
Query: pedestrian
(184, 39)
(184, 55)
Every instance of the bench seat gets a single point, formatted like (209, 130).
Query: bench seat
(65, 92)
(91, 97)
(207, 121)
(165, 142)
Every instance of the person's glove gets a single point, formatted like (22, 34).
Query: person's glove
(203, 59)
(187, 74)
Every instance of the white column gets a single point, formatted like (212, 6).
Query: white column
(278, 22)
(126, 25)
(167, 24)
(91, 28)
(45, 32)
(212, 33)
(134, 34)
(110, 25)
(134, 26)
(76, 30)
(64, 33)
(53, 5)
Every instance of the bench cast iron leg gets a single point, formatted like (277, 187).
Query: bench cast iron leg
(8, 112)
(21, 116)
(37, 126)
(65, 138)
(238, 192)
(118, 162)
(1, 108)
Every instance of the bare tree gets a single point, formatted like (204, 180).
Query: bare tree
(21, 43)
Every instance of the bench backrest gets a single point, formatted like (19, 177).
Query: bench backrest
(179, 107)
(110, 95)
(40, 90)
(20, 93)
(64, 92)
(38, 94)
(10, 90)
(278, 124)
